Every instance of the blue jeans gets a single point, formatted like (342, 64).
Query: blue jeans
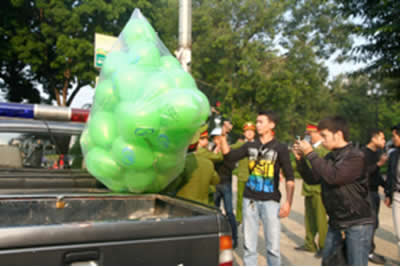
(223, 191)
(268, 212)
(357, 242)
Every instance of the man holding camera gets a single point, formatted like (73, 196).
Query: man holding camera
(345, 190)
(224, 169)
(315, 213)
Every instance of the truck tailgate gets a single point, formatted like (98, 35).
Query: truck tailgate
(108, 229)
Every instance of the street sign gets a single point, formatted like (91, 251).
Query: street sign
(103, 44)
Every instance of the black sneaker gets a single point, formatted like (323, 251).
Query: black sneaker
(377, 259)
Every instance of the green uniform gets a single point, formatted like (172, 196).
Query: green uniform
(242, 171)
(204, 152)
(194, 181)
(315, 213)
(209, 154)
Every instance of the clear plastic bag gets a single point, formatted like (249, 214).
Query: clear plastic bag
(146, 110)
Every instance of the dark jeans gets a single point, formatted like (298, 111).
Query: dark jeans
(223, 191)
(357, 242)
(375, 205)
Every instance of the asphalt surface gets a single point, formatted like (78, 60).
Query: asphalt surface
(293, 233)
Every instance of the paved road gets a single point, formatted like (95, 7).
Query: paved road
(292, 235)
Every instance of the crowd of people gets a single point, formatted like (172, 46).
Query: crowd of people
(340, 186)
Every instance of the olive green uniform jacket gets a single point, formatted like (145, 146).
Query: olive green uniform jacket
(242, 172)
(193, 183)
(315, 214)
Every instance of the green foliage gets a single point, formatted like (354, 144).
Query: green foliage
(50, 43)
(379, 23)
(364, 110)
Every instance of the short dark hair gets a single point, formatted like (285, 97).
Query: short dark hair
(335, 124)
(372, 132)
(271, 115)
(396, 128)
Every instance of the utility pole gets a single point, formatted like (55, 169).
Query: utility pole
(183, 53)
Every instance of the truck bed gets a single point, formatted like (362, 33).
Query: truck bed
(107, 228)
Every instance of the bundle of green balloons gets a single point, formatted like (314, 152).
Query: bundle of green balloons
(146, 110)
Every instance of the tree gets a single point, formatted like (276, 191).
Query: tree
(236, 60)
(379, 23)
(49, 43)
(13, 74)
(320, 25)
(357, 101)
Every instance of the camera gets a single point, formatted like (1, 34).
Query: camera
(306, 138)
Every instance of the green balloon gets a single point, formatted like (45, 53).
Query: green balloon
(144, 53)
(139, 181)
(204, 106)
(114, 185)
(183, 79)
(105, 97)
(167, 161)
(162, 142)
(171, 141)
(85, 141)
(168, 167)
(158, 184)
(136, 30)
(169, 63)
(101, 165)
(136, 122)
(129, 82)
(180, 110)
(132, 156)
(182, 137)
(102, 129)
(159, 84)
(113, 61)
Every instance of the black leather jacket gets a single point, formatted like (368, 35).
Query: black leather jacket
(393, 179)
(344, 181)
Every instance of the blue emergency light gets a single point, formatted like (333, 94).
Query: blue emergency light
(17, 110)
(43, 112)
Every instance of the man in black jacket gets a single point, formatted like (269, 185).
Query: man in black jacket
(393, 180)
(345, 189)
(374, 159)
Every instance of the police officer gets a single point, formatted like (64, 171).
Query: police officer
(199, 173)
(242, 170)
(315, 213)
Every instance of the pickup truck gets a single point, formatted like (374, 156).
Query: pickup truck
(53, 212)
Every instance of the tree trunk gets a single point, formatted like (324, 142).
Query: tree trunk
(67, 75)
(57, 96)
(65, 92)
